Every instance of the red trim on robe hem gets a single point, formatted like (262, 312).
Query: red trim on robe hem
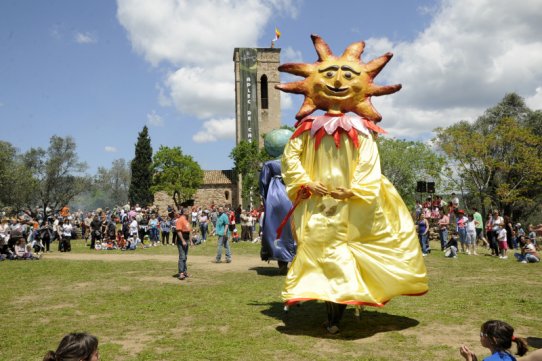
(293, 301)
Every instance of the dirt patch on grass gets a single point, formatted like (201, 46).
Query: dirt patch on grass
(238, 264)
(134, 342)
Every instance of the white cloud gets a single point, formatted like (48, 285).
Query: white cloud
(215, 129)
(197, 39)
(286, 101)
(110, 149)
(461, 64)
(535, 102)
(290, 55)
(204, 92)
(84, 38)
(154, 119)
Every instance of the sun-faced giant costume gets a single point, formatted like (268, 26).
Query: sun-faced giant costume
(356, 240)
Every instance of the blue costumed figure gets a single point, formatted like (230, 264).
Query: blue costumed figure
(276, 204)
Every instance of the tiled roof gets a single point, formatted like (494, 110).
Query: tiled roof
(218, 177)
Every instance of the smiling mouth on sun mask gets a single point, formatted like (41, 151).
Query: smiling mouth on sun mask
(336, 90)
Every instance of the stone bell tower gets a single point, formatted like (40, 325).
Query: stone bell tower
(257, 102)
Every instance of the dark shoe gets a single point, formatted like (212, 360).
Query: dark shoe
(176, 275)
(228, 261)
(182, 276)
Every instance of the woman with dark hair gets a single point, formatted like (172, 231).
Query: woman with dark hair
(497, 336)
(75, 347)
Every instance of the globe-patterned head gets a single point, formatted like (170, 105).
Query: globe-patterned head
(275, 141)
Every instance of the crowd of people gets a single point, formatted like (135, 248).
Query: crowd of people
(30, 234)
(460, 231)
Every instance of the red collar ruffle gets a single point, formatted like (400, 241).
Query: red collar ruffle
(334, 125)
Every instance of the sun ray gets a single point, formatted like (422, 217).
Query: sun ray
(307, 108)
(301, 69)
(297, 87)
(322, 49)
(368, 110)
(353, 51)
(378, 90)
(376, 65)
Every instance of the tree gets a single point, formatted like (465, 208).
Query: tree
(174, 172)
(498, 156)
(248, 159)
(406, 162)
(17, 186)
(57, 172)
(141, 166)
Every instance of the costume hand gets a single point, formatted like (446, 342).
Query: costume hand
(317, 188)
(341, 193)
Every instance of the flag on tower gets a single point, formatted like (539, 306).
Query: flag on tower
(277, 34)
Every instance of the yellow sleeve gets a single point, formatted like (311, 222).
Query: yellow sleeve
(293, 172)
(367, 176)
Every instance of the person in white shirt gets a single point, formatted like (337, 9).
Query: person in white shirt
(65, 241)
(133, 229)
(471, 236)
(503, 244)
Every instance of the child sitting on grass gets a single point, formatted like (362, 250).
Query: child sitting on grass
(497, 336)
(528, 252)
(121, 242)
(196, 238)
(450, 249)
(235, 236)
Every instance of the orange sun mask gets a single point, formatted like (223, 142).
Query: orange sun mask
(338, 84)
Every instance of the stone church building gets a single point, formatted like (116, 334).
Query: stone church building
(257, 111)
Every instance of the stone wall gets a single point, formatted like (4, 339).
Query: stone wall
(204, 197)
(162, 200)
(218, 195)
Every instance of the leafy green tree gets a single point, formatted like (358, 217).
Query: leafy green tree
(141, 179)
(248, 159)
(406, 162)
(114, 182)
(176, 173)
(57, 172)
(497, 157)
(17, 186)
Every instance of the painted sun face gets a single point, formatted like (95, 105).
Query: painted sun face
(338, 84)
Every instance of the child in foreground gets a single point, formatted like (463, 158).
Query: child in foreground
(75, 346)
(497, 336)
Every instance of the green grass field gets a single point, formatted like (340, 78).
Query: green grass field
(234, 312)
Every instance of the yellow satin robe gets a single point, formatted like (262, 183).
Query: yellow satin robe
(363, 250)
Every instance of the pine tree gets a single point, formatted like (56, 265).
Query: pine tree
(141, 166)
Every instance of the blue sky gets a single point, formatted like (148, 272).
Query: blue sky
(101, 70)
